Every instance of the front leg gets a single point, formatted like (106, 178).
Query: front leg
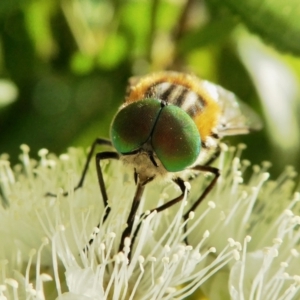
(134, 207)
(102, 156)
(99, 157)
(97, 141)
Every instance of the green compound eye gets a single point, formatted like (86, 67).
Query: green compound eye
(132, 126)
(175, 139)
(174, 135)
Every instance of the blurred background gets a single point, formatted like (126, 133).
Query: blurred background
(64, 66)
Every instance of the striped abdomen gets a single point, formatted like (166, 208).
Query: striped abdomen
(183, 90)
(177, 95)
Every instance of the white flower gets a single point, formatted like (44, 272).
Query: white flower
(243, 239)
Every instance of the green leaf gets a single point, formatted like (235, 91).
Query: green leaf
(276, 21)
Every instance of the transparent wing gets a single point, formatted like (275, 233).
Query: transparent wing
(236, 117)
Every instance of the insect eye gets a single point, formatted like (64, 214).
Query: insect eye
(176, 139)
(133, 124)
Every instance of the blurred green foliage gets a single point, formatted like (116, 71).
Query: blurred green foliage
(64, 65)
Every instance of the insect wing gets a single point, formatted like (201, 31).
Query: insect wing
(236, 117)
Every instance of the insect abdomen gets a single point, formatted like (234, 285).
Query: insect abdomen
(183, 90)
(178, 95)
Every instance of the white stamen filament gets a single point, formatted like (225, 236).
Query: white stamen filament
(161, 265)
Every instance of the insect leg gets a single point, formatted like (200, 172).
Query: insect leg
(133, 210)
(134, 207)
(100, 142)
(212, 170)
(102, 156)
(170, 203)
(97, 141)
